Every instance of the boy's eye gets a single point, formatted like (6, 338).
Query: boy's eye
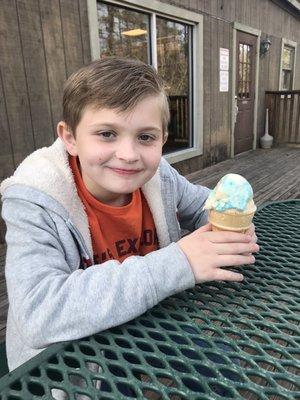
(107, 134)
(146, 138)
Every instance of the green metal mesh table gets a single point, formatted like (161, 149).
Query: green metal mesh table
(218, 340)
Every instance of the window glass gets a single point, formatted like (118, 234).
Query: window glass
(287, 68)
(123, 32)
(288, 58)
(287, 83)
(173, 64)
(245, 71)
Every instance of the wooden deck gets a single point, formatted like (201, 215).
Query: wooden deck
(274, 175)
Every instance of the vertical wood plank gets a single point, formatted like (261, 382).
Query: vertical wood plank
(206, 89)
(240, 11)
(36, 73)
(286, 25)
(228, 15)
(297, 119)
(222, 138)
(263, 15)
(208, 95)
(14, 82)
(289, 121)
(6, 150)
(276, 117)
(291, 133)
(54, 54)
(269, 105)
(285, 120)
(214, 110)
(71, 35)
(84, 29)
(214, 4)
(194, 5)
(262, 87)
(2, 232)
(247, 15)
(227, 31)
(215, 104)
(295, 29)
(268, 16)
(220, 11)
(254, 14)
(274, 63)
(280, 118)
(205, 6)
(278, 22)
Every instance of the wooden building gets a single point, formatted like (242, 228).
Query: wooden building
(218, 57)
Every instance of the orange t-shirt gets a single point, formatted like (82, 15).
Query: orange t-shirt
(117, 232)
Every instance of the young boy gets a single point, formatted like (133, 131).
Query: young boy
(93, 221)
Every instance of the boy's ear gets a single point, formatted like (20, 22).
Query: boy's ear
(165, 137)
(66, 135)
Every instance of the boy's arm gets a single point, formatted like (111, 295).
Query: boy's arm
(190, 199)
(52, 301)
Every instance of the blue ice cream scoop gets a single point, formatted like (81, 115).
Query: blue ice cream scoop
(232, 192)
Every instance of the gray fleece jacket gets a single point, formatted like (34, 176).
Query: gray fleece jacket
(52, 297)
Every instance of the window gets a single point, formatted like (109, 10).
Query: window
(173, 65)
(168, 38)
(287, 68)
(126, 32)
(245, 71)
(123, 32)
(287, 65)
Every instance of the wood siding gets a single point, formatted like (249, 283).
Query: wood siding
(42, 42)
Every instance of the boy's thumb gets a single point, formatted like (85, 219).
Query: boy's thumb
(205, 228)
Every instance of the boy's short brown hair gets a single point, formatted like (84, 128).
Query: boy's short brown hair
(114, 83)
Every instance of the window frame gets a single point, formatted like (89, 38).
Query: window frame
(182, 15)
(288, 43)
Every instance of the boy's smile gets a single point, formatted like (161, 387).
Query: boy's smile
(118, 151)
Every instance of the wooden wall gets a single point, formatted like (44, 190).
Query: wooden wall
(43, 41)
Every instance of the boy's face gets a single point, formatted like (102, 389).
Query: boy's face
(118, 151)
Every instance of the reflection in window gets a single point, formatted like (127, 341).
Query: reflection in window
(123, 32)
(173, 55)
(287, 68)
(245, 71)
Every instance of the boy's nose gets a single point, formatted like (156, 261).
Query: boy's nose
(127, 152)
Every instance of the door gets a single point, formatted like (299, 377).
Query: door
(245, 91)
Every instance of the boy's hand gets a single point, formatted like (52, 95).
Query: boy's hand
(251, 232)
(209, 251)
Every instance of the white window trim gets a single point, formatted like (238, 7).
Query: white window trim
(290, 43)
(181, 15)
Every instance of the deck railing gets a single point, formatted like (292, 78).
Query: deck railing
(284, 115)
(179, 122)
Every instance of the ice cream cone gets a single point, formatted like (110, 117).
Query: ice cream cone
(231, 220)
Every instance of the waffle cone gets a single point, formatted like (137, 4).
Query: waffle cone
(230, 221)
